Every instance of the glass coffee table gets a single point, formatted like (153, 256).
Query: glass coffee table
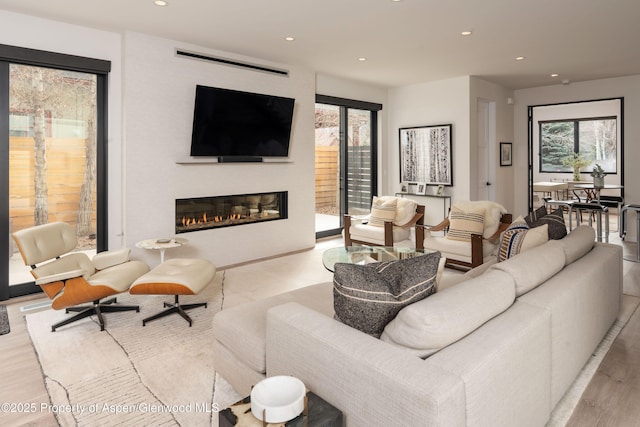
(368, 254)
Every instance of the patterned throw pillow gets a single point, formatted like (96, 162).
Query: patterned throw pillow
(535, 215)
(382, 210)
(519, 237)
(462, 224)
(555, 221)
(367, 297)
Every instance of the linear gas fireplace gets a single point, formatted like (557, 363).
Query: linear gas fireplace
(203, 213)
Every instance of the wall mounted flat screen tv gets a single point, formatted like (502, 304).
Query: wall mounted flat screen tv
(233, 124)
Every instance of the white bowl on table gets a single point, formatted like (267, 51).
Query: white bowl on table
(280, 397)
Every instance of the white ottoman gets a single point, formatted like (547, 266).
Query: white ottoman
(175, 277)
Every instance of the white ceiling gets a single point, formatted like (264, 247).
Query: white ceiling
(405, 42)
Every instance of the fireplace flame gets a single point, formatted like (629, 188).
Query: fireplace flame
(187, 222)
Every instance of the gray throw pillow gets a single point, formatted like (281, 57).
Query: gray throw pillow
(555, 220)
(367, 297)
(535, 215)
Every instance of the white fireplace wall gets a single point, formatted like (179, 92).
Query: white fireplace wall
(159, 91)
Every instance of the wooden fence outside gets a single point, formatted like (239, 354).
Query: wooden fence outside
(65, 172)
(328, 178)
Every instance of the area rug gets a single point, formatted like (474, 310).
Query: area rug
(161, 374)
(4, 320)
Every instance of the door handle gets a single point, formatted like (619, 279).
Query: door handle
(488, 183)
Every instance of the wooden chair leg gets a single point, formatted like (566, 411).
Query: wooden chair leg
(388, 233)
(347, 226)
(477, 255)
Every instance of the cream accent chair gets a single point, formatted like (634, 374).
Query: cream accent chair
(389, 223)
(470, 234)
(70, 279)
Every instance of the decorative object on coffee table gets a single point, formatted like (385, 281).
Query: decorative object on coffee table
(278, 399)
(320, 414)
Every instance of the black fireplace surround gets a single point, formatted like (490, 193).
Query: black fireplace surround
(203, 213)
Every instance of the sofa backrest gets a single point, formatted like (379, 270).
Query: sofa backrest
(578, 243)
(445, 317)
(532, 268)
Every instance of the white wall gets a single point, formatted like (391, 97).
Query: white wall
(627, 87)
(159, 97)
(503, 182)
(433, 103)
(35, 33)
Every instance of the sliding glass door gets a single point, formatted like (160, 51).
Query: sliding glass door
(346, 178)
(54, 140)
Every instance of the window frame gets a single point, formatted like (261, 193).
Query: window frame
(576, 140)
(532, 112)
(345, 105)
(101, 68)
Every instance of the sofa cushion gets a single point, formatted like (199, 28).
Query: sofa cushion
(464, 223)
(243, 331)
(457, 249)
(375, 235)
(555, 221)
(578, 243)
(519, 238)
(533, 267)
(367, 297)
(382, 209)
(447, 316)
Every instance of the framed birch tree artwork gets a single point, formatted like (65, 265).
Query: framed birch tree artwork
(425, 155)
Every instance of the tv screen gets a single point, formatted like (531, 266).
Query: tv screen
(229, 123)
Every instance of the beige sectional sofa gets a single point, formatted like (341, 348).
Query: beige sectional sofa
(504, 342)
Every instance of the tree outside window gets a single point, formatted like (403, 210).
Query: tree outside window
(594, 139)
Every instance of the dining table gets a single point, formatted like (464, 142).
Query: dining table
(593, 192)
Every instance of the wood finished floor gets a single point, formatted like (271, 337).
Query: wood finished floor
(611, 398)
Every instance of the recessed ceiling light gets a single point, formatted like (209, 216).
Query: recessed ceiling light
(519, 58)
(396, 1)
(466, 33)
(289, 39)
(554, 75)
(160, 3)
(362, 59)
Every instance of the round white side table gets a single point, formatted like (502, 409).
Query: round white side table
(162, 245)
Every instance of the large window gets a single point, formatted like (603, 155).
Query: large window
(592, 139)
(567, 140)
(346, 140)
(52, 136)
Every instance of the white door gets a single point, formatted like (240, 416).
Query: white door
(485, 180)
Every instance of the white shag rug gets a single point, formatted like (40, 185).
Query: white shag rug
(161, 374)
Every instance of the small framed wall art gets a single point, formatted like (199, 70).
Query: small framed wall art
(505, 154)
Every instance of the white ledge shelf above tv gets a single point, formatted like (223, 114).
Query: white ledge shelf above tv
(214, 160)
